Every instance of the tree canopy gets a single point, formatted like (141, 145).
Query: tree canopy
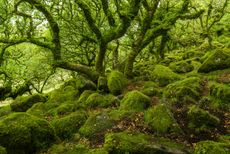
(90, 37)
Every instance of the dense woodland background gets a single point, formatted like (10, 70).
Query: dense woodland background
(173, 56)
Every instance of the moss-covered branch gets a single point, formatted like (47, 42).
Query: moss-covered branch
(90, 73)
(89, 19)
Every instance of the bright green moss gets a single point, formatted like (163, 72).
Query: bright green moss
(220, 91)
(134, 101)
(37, 109)
(181, 66)
(83, 97)
(21, 104)
(2, 150)
(96, 124)
(211, 147)
(216, 61)
(116, 82)
(80, 83)
(161, 120)
(23, 133)
(151, 89)
(201, 120)
(123, 142)
(61, 110)
(99, 100)
(63, 95)
(94, 100)
(5, 110)
(43, 110)
(187, 90)
(164, 75)
(66, 126)
(120, 114)
(192, 54)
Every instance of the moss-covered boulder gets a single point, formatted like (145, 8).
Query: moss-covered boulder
(40, 109)
(94, 100)
(21, 104)
(201, 120)
(2, 150)
(140, 143)
(80, 83)
(186, 91)
(62, 95)
(66, 126)
(61, 110)
(83, 97)
(135, 101)
(181, 66)
(49, 110)
(164, 75)
(4, 110)
(218, 60)
(99, 100)
(211, 147)
(151, 89)
(95, 124)
(22, 133)
(161, 120)
(116, 82)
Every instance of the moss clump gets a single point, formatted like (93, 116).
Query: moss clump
(61, 110)
(139, 143)
(83, 97)
(116, 82)
(217, 60)
(96, 124)
(2, 150)
(80, 83)
(161, 120)
(21, 104)
(23, 133)
(63, 95)
(99, 100)
(201, 120)
(135, 101)
(151, 92)
(151, 89)
(94, 100)
(40, 109)
(181, 66)
(5, 110)
(150, 84)
(187, 90)
(164, 75)
(66, 126)
(211, 147)
(120, 114)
